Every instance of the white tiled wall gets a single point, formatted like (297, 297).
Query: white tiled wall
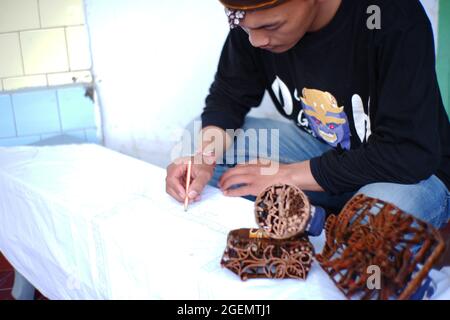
(44, 51)
(56, 79)
(10, 55)
(58, 13)
(78, 48)
(43, 43)
(10, 84)
(17, 15)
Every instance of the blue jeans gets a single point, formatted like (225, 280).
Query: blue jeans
(428, 200)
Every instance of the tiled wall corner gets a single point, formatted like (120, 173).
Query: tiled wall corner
(57, 79)
(33, 115)
(78, 48)
(43, 39)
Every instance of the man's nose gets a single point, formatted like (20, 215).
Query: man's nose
(258, 39)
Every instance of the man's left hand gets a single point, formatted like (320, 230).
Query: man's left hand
(251, 179)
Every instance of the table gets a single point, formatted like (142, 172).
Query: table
(85, 222)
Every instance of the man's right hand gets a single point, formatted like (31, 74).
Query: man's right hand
(201, 172)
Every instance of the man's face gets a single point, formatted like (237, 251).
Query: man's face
(278, 29)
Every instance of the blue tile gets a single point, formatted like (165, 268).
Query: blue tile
(91, 135)
(80, 134)
(77, 111)
(7, 126)
(50, 135)
(36, 112)
(20, 141)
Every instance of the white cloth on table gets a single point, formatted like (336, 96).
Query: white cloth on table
(85, 222)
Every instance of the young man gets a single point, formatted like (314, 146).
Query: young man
(357, 79)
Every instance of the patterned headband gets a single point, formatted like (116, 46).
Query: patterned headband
(234, 17)
(236, 9)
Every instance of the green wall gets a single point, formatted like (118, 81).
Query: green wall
(443, 61)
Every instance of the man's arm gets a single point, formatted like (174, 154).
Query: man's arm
(214, 141)
(238, 86)
(405, 144)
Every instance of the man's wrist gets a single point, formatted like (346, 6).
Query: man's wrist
(301, 176)
(205, 157)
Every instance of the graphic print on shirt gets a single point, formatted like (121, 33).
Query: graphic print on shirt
(283, 95)
(328, 121)
(361, 119)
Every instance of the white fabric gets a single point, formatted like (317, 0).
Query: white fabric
(85, 222)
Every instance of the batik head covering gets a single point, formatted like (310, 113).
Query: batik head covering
(235, 9)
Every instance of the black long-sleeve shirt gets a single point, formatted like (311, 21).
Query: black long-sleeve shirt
(371, 94)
